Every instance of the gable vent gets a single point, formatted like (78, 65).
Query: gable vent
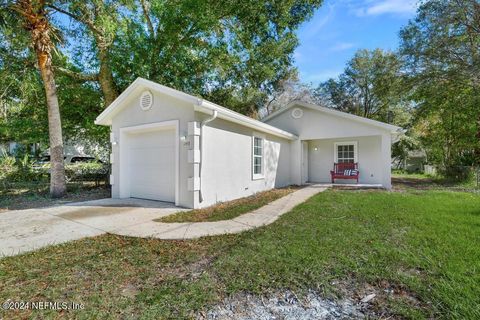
(297, 113)
(146, 100)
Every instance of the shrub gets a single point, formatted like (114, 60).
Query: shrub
(18, 170)
(459, 173)
(24, 170)
(87, 171)
(7, 166)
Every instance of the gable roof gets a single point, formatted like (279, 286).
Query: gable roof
(393, 129)
(201, 105)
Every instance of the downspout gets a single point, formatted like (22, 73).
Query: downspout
(204, 122)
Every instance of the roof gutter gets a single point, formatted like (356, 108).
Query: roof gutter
(202, 124)
(232, 116)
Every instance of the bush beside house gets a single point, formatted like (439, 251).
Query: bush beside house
(24, 171)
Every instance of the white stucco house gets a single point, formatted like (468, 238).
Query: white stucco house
(170, 146)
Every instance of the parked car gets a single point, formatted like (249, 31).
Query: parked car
(70, 159)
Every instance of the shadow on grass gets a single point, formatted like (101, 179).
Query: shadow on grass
(403, 182)
(37, 196)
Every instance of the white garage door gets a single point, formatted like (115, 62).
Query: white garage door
(151, 165)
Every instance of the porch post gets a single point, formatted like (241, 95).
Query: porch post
(387, 160)
(296, 162)
(194, 159)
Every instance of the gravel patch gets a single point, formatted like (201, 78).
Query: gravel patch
(285, 305)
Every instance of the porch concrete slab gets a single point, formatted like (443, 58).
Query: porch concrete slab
(351, 185)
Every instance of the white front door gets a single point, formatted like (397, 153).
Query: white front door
(151, 165)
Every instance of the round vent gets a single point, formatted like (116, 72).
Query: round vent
(297, 113)
(146, 100)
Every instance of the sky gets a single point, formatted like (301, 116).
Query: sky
(341, 27)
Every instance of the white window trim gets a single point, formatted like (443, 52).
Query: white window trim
(346, 143)
(260, 175)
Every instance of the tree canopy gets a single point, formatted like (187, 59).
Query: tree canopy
(240, 54)
(369, 87)
(430, 86)
(235, 53)
(440, 49)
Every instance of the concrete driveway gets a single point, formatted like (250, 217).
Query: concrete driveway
(26, 230)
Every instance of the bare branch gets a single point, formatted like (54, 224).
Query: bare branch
(78, 75)
(147, 17)
(88, 22)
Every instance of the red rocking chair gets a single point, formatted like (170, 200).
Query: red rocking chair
(345, 171)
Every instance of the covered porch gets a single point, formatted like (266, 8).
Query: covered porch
(370, 153)
(327, 136)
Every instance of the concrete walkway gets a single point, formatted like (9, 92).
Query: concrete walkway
(192, 230)
(27, 230)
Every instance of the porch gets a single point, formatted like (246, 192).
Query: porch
(347, 186)
(370, 152)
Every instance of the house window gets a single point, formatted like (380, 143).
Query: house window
(257, 154)
(346, 152)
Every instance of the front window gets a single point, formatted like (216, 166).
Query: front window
(257, 160)
(346, 152)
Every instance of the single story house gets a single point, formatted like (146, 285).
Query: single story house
(170, 146)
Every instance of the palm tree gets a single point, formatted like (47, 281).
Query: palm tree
(35, 21)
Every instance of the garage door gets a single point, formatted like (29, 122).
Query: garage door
(151, 165)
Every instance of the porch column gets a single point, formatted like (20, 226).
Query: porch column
(387, 160)
(296, 162)
(194, 159)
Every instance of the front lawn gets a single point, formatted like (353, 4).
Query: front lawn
(230, 209)
(418, 250)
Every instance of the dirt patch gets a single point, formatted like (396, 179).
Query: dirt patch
(19, 200)
(287, 305)
(84, 213)
(383, 292)
(400, 184)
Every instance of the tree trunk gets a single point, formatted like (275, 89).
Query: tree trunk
(105, 77)
(58, 185)
(477, 145)
(39, 28)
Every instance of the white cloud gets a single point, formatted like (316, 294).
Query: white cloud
(315, 25)
(378, 7)
(341, 46)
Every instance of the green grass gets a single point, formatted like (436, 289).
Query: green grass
(413, 175)
(423, 245)
(230, 209)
